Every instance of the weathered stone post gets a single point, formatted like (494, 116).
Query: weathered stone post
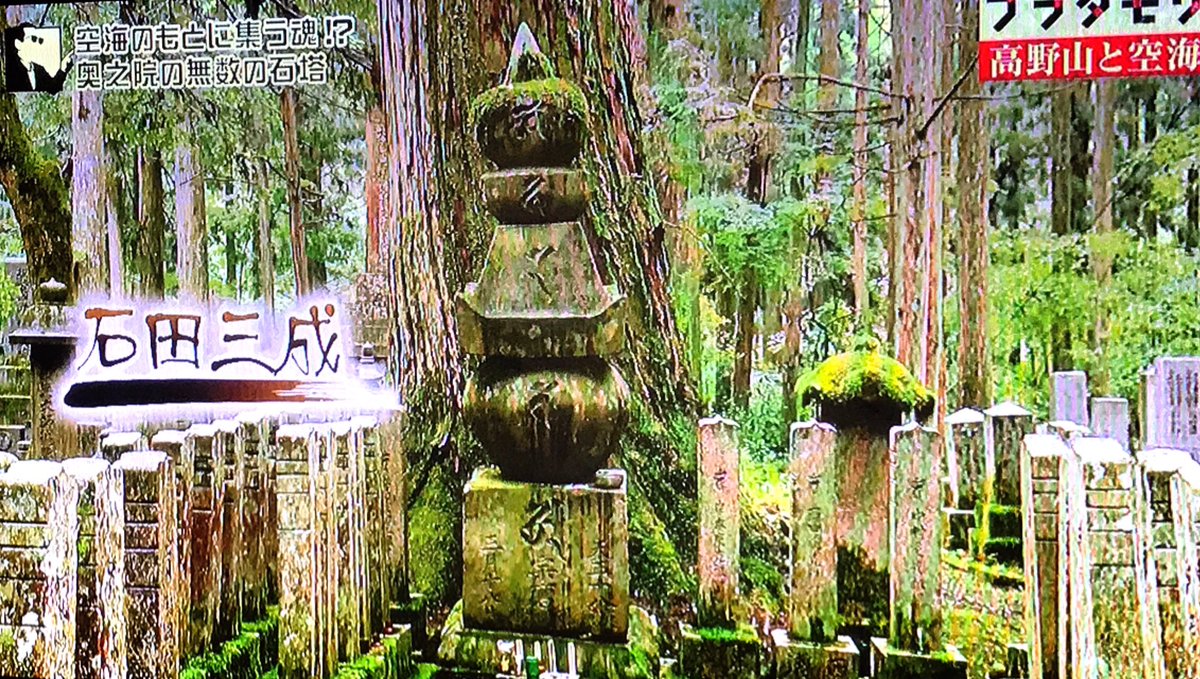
(374, 534)
(1123, 582)
(39, 508)
(968, 470)
(1044, 462)
(1169, 477)
(250, 450)
(229, 611)
(344, 547)
(151, 587)
(100, 608)
(1110, 418)
(1171, 404)
(394, 498)
(914, 647)
(812, 646)
(998, 516)
(327, 548)
(1069, 396)
(205, 543)
(172, 442)
(545, 555)
(717, 458)
(115, 444)
(301, 652)
(970, 455)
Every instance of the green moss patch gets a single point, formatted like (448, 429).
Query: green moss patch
(556, 93)
(863, 381)
(246, 656)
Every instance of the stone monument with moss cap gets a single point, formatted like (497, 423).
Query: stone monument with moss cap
(545, 559)
(863, 394)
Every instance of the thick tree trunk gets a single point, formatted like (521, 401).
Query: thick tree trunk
(114, 194)
(191, 221)
(974, 151)
(264, 245)
(148, 247)
(378, 231)
(89, 194)
(858, 255)
(800, 46)
(917, 29)
(1061, 209)
(1150, 216)
(427, 364)
(1103, 141)
(290, 115)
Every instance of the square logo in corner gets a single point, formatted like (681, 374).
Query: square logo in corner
(33, 59)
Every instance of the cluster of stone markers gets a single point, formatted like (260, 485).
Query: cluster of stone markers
(148, 552)
(1111, 573)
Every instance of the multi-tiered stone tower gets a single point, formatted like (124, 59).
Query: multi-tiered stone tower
(545, 557)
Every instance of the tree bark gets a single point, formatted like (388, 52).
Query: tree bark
(800, 46)
(1192, 239)
(89, 194)
(666, 16)
(191, 221)
(264, 245)
(1061, 209)
(148, 248)
(289, 114)
(114, 192)
(974, 151)
(858, 255)
(1103, 141)
(378, 231)
(917, 29)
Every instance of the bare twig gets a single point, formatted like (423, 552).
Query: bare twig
(941, 105)
(818, 78)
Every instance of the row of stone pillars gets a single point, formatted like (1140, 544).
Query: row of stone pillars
(1110, 559)
(896, 560)
(123, 564)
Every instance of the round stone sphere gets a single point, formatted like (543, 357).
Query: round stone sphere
(547, 420)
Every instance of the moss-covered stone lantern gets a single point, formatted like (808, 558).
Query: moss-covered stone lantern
(863, 394)
(545, 402)
(545, 537)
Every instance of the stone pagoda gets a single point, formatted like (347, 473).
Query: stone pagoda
(545, 556)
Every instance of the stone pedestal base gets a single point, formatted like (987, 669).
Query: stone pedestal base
(893, 663)
(804, 660)
(547, 559)
(488, 652)
(413, 614)
(959, 523)
(720, 654)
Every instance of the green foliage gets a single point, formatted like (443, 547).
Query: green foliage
(743, 241)
(1042, 283)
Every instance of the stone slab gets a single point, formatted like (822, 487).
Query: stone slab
(720, 653)
(794, 659)
(892, 663)
(490, 652)
(546, 558)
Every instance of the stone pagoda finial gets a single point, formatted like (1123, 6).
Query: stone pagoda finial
(545, 402)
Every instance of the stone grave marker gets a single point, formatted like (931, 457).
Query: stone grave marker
(151, 587)
(100, 607)
(39, 510)
(1124, 586)
(1110, 419)
(1069, 396)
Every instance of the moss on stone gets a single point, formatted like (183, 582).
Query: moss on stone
(556, 92)
(721, 635)
(246, 656)
(865, 380)
(435, 528)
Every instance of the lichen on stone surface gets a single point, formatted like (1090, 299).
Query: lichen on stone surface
(557, 92)
(868, 378)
